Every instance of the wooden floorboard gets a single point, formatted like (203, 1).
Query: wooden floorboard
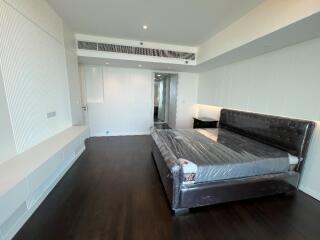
(114, 192)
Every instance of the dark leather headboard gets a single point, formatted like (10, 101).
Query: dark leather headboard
(291, 135)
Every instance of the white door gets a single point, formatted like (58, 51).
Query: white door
(84, 104)
(91, 88)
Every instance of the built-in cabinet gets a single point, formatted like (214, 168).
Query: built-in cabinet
(28, 178)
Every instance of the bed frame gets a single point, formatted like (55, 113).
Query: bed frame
(291, 135)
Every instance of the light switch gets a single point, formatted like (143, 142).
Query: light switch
(51, 114)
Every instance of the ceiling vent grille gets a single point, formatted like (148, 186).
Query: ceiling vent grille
(105, 47)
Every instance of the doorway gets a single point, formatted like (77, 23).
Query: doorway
(165, 96)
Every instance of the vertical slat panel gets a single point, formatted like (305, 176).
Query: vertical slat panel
(34, 75)
(7, 144)
(41, 14)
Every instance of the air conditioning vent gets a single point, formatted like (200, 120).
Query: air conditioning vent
(87, 45)
(105, 47)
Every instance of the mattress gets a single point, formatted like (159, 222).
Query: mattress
(218, 154)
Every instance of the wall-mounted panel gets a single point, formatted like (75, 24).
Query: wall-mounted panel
(33, 65)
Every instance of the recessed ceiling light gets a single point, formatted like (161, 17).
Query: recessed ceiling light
(139, 65)
(107, 63)
(145, 27)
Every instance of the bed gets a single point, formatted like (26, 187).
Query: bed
(248, 155)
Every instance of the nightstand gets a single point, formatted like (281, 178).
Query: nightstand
(204, 122)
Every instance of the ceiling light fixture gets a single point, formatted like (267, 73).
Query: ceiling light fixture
(145, 27)
(139, 65)
(159, 75)
(107, 63)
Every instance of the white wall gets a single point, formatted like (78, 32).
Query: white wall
(186, 99)
(33, 65)
(284, 82)
(127, 105)
(73, 75)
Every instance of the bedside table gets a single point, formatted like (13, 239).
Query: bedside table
(204, 122)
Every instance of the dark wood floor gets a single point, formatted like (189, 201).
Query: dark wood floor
(113, 192)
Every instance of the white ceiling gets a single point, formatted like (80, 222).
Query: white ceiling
(303, 30)
(183, 22)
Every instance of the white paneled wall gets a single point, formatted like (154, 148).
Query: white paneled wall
(126, 106)
(7, 145)
(73, 75)
(34, 73)
(41, 14)
(284, 82)
(186, 99)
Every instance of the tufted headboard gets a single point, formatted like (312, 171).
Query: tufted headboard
(288, 134)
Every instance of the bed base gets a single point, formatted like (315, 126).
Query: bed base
(182, 197)
(181, 211)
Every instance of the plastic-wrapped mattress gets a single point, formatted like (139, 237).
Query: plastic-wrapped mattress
(218, 154)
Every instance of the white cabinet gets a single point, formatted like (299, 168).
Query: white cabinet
(28, 178)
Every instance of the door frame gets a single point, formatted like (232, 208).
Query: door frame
(83, 87)
(153, 76)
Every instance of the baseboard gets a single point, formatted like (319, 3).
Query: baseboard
(310, 192)
(59, 175)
